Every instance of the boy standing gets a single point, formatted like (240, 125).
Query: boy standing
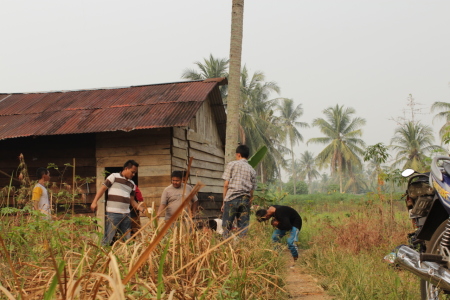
(40, 193)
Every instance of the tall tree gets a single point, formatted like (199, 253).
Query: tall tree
(237, 21)
(377, 154)
(255, 109)
(289, 115)
(209, 68)
(258, 124)
(307, 166)
(412, 140)
(342, 137)
(444, 113)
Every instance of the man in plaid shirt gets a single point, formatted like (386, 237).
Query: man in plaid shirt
(240, 182)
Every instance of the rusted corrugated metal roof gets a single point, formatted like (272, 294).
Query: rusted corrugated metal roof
(126, 109)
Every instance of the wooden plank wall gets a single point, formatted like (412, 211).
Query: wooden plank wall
(150, 148)
(59, 150)
(201, 141)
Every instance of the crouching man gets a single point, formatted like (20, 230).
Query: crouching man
(285, 220)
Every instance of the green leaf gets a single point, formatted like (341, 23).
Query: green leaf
(160, 284)
(51, 291)
(258, 156)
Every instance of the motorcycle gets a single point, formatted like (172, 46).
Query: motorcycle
(427, 254)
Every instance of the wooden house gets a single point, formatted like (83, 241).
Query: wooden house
(160, 126)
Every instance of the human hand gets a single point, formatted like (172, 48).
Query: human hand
(274, 222)
(94, 206)
(222, 208)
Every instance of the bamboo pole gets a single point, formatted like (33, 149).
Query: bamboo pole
(161, 234)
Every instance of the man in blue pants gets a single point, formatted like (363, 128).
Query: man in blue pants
(286, 220)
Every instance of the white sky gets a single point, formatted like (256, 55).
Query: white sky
(369, 55)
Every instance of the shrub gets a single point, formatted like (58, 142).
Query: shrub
(301, 187)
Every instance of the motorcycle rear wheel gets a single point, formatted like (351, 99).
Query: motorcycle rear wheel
(427, 290)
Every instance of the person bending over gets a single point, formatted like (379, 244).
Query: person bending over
(285, 220)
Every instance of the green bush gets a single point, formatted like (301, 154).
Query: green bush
(301, 187)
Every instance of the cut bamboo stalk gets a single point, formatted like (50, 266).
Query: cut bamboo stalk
(161, 234)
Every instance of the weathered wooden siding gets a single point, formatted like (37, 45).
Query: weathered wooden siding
(150, 148)
(201, 140)
(205, 125)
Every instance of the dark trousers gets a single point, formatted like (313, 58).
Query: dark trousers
(238, 208)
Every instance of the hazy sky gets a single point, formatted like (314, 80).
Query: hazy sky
(369, 55)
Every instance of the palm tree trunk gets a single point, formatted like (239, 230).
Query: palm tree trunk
(294, 176)
(340, 174)
(237, 20)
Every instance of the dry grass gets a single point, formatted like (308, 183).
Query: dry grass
(347, 246)
(61, 260)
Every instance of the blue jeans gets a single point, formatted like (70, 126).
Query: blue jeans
(238, 208)
(293, 237)
(114, 222)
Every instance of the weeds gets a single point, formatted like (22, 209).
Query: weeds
(45, 264)
(345, 246)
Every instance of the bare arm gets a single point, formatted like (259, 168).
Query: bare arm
(161, 210)
(270, 212)
(134, 204)
(100, 193)
(225, 190)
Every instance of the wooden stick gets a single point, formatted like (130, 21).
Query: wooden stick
(162, 233)
(6, 174)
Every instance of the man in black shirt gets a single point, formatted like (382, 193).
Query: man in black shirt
(285, 219)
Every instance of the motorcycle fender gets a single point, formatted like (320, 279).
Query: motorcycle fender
(435, 217)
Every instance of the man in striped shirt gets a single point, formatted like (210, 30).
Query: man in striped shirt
(121, 190)
(240, 182)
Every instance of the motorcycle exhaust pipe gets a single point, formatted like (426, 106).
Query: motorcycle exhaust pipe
(432, 272)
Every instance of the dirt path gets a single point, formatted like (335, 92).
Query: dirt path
(301, 285)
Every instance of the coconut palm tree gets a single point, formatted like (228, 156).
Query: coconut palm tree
(412, 140)
(444, 114)
(289, 116)
(356, 181)
(342, 137)
(209, 68)
(258, 124)
(256, 108)
(237, 24)
(307, 166)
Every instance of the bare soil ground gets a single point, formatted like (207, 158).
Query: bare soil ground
(302, 285)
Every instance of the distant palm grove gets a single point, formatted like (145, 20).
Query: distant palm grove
(277, 123)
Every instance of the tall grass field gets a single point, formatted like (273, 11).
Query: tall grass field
(345, 238)
(343, 242)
